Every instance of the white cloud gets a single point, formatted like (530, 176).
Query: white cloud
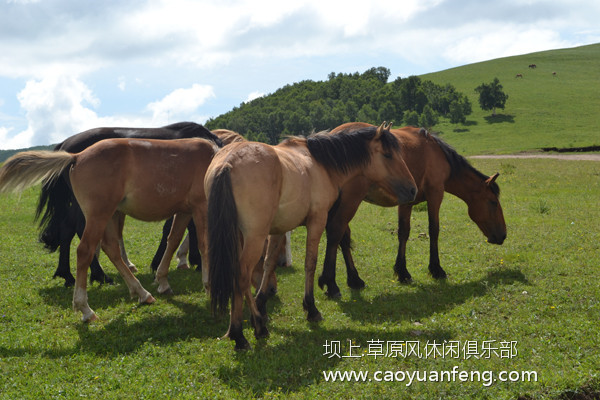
(180, 104)
(56, 107)
(253, 95)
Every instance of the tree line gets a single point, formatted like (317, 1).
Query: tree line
(308, 106)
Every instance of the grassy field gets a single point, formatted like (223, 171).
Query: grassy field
(542, 110)
(531, 305)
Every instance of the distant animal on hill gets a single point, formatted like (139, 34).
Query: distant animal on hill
(532, 66)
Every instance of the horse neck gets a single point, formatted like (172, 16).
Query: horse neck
(463, 185)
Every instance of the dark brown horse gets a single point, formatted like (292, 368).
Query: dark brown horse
(61, 217)
(255, 189)
(149, 180)
(436, 168)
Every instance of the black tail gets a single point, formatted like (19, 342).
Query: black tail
(56, 197)
(223, 241)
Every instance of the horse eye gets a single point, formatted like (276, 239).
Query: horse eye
(493, 203)
(388, 155)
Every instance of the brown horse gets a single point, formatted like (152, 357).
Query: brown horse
(284, 258)
(255, 189)
(147, 179)
(436, 168)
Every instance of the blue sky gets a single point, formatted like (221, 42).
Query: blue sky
(67, 66)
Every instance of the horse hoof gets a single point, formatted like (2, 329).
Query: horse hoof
(168, 292)
(439, 275)
(242, 347)
(149, 300)
(183, 266)
(356, 284)
(333, 295)
(91, 318)
(315, 317)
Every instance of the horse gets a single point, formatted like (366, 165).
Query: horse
(436, 168)
(227, 137)
(255, 190)
(519, 76)
(62, 218)
(532, 66)
(146, 179)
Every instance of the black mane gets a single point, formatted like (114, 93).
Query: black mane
(459, 164)
(348, 148)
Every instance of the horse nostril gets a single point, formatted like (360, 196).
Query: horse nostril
(272, 291)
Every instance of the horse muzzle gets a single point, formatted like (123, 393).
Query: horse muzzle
(406, 193)
(497, 238)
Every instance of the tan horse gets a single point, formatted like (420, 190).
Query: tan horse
(255, 189)
(436, 168)
(147, 179)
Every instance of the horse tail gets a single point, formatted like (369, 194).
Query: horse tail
(56, 197)
(28, 168)
(223, 241)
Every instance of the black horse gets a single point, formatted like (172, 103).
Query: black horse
(59, 214)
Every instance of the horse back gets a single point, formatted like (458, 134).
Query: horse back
(148, 179)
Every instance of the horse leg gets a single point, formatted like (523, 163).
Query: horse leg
(121, 224)
(198, 242)
(433, 211)
(110, 246)
(162, 245)
(327, 277)
(97, 274)
(274, 247)
(194, 253)
(285, 256)
(338, 218)
(180, 221)
(182, 253)
(64, 255)
(85, 252)
(314, 229)
(352, 278)
(404, 212)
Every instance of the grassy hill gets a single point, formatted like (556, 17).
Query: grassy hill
(543, 110)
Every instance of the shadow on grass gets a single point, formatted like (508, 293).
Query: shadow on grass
(283, 366)
(102, 296)
(426, 300)
(500, 118)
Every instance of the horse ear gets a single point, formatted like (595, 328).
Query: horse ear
(380, 130)
(492, 178)
(389, 126)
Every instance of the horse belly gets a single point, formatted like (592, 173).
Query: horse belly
(150, 207)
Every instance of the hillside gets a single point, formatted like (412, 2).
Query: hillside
(5, 154)
(543, 110)
(554, 105)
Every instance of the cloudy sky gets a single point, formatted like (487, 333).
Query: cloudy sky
(71, 65)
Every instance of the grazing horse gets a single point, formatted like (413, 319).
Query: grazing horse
(532, 66)
(149, 180)
(62, 217)
(255, 189)
(519, 76)
(436, 168)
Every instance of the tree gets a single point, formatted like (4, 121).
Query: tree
(428, 117)
(491, 96)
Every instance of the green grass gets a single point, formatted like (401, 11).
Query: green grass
(539, 289)
(542, 110)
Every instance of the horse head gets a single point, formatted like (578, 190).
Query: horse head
(485, 210)
(387, 169)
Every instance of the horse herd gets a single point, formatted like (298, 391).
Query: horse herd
(238, 199)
